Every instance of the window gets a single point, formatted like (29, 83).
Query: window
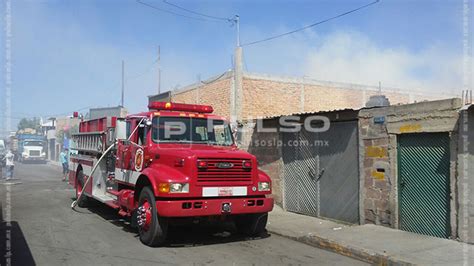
(141, 131)
(192, 130)
(128, 129)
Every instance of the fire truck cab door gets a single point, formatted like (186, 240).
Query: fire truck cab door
(123, 157)
(130, 152)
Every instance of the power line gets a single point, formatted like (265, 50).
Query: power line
(170, 12)
(198, 13)
(214, 79)
(311, 25)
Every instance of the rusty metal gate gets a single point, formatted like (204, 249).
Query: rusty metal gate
(321, 172)
(423, 180)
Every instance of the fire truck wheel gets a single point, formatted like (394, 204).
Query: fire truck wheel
(151, 227)
(83, 201)
(251, 224)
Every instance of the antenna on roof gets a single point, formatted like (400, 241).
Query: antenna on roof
(378, 100)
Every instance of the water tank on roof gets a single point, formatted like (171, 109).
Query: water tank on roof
(377, 101)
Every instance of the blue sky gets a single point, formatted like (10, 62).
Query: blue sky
(67, 54)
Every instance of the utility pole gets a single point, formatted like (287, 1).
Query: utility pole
(123, 80)
(159, 70)
(237, 22)
(236, 93)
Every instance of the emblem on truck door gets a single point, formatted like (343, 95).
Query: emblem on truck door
(224, 165)
(139, 160)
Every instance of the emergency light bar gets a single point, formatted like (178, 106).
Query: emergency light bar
(180, 107)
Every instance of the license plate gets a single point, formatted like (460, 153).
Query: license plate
(224, 191)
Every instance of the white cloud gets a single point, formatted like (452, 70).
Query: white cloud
(353, 57)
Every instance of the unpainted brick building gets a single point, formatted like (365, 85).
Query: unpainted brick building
(250, 95)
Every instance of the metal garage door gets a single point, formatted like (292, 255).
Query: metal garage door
(321, 176)
(423, 179)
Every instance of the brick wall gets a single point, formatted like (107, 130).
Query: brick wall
(263, 97)
(216, 94)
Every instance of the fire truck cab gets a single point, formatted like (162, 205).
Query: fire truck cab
(174, 161)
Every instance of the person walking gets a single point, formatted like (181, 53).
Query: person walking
(64, 158)
(9, 164)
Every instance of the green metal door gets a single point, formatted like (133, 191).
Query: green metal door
(423, 182)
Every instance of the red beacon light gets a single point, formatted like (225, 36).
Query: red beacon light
(158, 106)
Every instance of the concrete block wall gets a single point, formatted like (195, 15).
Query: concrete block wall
(378, 154)
(264, 145)
(375, 170)
(465, 170)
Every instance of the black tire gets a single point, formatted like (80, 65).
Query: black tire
(83, 202)
(155, 234)
(252, 224)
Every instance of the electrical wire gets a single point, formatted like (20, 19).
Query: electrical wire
(170, 12)
(215, 79)
(312, 25)
(198, 13)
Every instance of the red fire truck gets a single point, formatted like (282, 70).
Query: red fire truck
(175, 161)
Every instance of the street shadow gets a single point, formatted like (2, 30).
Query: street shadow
(179, 234)
(14, 249)
(206, 233)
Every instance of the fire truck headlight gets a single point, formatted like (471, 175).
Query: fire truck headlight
(179, 187)
(263, 186)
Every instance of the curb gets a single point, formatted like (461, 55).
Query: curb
(346, 250)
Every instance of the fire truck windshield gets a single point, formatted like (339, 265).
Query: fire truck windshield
(192, 130)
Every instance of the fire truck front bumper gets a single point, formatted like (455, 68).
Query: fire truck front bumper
(213, 207)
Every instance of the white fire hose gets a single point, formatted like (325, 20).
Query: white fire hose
(74, 203)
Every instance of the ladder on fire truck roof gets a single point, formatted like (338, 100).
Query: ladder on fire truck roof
(90, 141)
(95, 135)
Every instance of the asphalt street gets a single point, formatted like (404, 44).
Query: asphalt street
(44, 230)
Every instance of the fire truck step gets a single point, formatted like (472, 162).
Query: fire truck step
(113, 204)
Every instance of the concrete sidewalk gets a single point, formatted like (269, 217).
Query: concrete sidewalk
(371, 243)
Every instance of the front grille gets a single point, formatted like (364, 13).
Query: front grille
(35, 153)
(213, 174)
